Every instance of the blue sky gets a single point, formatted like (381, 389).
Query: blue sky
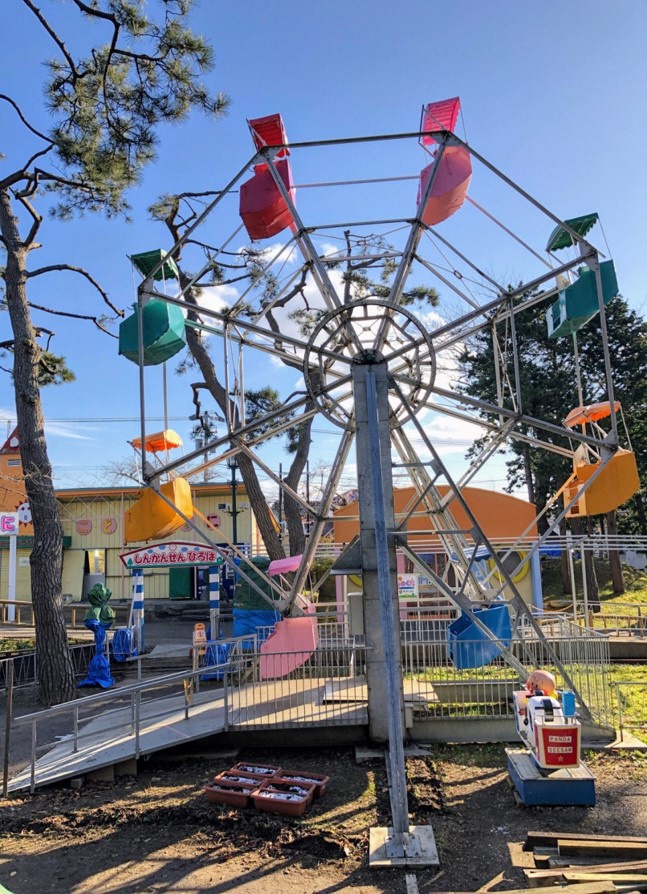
(552, 94)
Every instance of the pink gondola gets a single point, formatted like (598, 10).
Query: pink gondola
(269, 131)
(289, 646)
(262, 207)
(450, 186)
(441, 115)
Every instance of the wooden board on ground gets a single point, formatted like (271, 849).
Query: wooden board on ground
(540, 879)
(624, 848)
(549, 839)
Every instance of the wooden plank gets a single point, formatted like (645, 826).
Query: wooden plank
(580, 888)
(617, 848)
(545, 878)
(549, 839)
(584, 864)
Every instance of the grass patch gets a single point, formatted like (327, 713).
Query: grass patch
(635, 582)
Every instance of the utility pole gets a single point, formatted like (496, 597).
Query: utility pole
(233, 465)
(308, 496)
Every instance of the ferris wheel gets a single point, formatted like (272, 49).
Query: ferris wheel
(350, 293)
(346, 274)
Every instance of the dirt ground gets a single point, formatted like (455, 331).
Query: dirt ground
(158, 833)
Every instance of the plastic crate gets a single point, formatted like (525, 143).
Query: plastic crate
(283, 798)
(231, 793)
(296, 776)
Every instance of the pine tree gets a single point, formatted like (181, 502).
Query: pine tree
(549, 391)
(101, 112)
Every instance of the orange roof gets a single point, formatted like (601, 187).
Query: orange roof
(590, 413)
(502, 516)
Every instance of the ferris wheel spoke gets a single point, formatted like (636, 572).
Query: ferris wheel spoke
(529, 422)
(323, 510)
(274, 477)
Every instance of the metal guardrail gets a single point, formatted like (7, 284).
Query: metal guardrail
(328, 686)
(640, 726)
(73, 612)
(247, 701)
(82, 711)
(621, 619)
(438, 689)
(25, 665)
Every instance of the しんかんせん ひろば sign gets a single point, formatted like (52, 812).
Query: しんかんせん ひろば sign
(163, 555)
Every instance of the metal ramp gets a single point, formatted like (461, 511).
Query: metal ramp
(113, 738)
(124, 724)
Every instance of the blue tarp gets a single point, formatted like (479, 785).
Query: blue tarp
(246, 621)
(99, 666)
(216, 653)
(122, 644)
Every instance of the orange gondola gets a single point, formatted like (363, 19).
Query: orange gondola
(159, 442)
(151, 517)
(614, 484)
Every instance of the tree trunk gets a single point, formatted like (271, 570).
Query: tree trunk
(260, 508)
(615, 565)
(55, 669)
(530, 485)
(567, 584)
(293, 516)
(593, 591)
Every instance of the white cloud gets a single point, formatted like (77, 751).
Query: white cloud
(65, 430)
(217, 298)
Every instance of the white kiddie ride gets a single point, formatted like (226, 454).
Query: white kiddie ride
(546, 722)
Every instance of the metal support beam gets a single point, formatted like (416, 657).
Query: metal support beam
(379, 575)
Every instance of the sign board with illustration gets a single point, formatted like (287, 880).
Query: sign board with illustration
(9, 522)
(408, 585)
(170, 555)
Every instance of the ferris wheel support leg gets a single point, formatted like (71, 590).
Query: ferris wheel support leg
(399, 844)
(379, 574)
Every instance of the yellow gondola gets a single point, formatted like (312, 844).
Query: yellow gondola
(151, 518)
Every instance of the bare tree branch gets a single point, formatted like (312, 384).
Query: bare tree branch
(36, 217)
(64, 313)
(57, 40)
(30, 127)
(53, 267)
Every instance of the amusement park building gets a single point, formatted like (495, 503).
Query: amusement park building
(93, 529)
(503, 518)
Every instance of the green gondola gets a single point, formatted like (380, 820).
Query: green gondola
(578, 303)
(163, 333)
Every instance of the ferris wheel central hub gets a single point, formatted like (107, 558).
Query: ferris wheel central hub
(369, 332)
(369, 358)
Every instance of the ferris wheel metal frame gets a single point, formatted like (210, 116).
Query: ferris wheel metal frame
(378, 346)
(233, 328)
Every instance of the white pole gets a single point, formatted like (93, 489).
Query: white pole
(11, 591)
(573, 584)
(137, 608)
(585, 587)
(214, 601)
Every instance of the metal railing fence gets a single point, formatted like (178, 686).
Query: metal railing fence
(25, 665)
(639, 712)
